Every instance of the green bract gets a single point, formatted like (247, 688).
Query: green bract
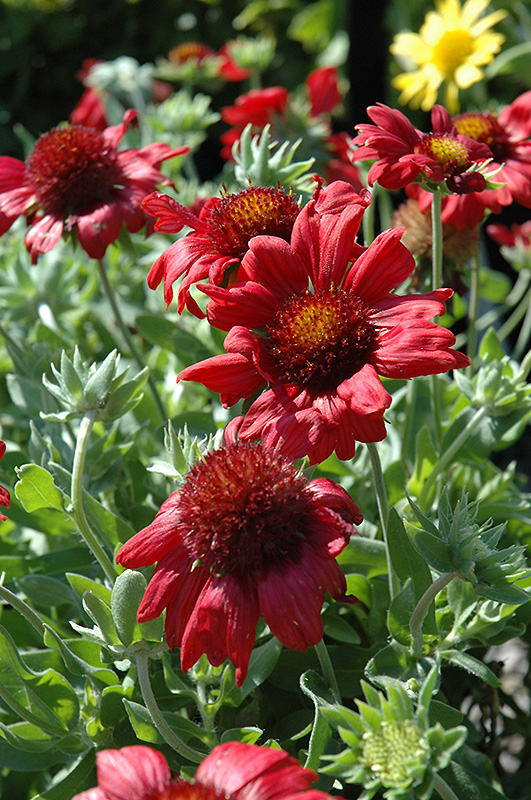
(80, 388)
(266, 163)
(461, 546)
(391, 744)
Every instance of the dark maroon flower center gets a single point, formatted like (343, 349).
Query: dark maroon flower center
(321, 339)
(486, 129)
(73, 170)
(242, 509)
(446, 150)
(179, 789)
(236, 218)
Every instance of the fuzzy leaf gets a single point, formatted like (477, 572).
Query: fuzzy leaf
(36, 489)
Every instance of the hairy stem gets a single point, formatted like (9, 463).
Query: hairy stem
(383, 510)
(78, 512)
(169, 736)
(421, 609)
(450, 452)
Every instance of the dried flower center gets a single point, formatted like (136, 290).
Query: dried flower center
(484, 128)
(445, 149)
(321, 339)
(73, 170)
(236, 218)
(242, 509)
(452, 50)
(389, 751)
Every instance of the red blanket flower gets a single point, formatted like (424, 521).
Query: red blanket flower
(75, 180)
(316, 332)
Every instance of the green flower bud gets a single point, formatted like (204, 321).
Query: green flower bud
(391, 744)
(461, 546)
(97, 388)
(266, 163)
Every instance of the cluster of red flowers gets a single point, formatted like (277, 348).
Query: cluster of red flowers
(452, 153)
(275, 106)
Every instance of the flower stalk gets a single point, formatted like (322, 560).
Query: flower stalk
(383, 510)
(449, 453)
(473, 305)
(78, 511)
(421, 609)
(169, 736)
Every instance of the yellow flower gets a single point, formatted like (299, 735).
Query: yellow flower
(449, 49)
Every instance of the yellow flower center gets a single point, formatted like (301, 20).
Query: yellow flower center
(452, 50)
(445, 149)
(389, 751)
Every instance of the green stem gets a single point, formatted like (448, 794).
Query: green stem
(328, 670)
(383, 510)
(518, 314)
(448, 454)
(368, 218)
(473, 305)
(523, 336)
(162, 726)
(421, 609)
(408, 443)
(78, 512)
(436, 241)
(23, 608)
(436, 283)
(514, 298)
(109, 293)
(442, 788)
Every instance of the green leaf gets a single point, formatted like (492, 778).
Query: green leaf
(469, 784)
(81, 657)
(101, 614)
(46, 592)
(338, 628)
(247, 735)
(22, 761)
(472, 665)
(425, 460)
(364, 556)
(408, 563)
(36, 489)
(67, 784)
(144, 728)
(45, 699)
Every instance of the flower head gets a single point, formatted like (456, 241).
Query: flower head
(451, 46)
(233, 771)
(245, 536)
(315, 332)
(507, 135)
(219, 237)
(392, 747)
(76, 181)
(5, 500)
(405, 154)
